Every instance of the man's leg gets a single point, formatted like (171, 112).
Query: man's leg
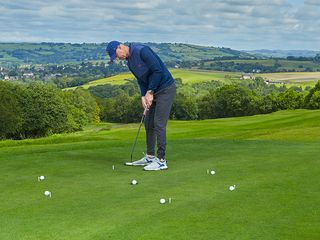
(163, 107)
(150, 131)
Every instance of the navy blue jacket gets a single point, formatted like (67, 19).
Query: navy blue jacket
(148, 68)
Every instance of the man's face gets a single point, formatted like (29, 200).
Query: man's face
(121, 52)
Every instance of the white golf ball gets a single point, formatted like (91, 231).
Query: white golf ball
(41, 178)
(134, 182)
(47, 193)
(162, 201)
(231, 188)
(213, 172)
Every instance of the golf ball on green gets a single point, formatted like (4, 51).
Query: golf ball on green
(162, 201)
(134, 182)
(47, 193)
(213, 172)
(41, 178)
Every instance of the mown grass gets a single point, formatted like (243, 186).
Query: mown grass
(285, 64)
(189, 76)
(273, 160)
(296, 78)
(186, 75)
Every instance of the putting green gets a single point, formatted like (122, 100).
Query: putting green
(272, 159)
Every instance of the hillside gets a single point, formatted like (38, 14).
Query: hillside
(187, 76)
(272, 159)
(45, 53)
(262, 65)
(283, 53)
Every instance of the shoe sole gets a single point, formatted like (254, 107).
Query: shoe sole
(158, 169)
(131, 164)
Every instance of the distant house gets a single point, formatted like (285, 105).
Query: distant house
(24, 66)
(256, 70)
(9, 78)
(28, 75)
(274, 82)
(39, 67)
(247, 76)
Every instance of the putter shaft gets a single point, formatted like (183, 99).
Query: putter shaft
(135, 141)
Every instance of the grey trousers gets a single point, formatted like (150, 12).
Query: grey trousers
(156, 121)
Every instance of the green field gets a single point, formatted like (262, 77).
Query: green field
(272, 159)
(283, 64)
(188, 77)
(116, 80)
(195, 76)
(296, 78)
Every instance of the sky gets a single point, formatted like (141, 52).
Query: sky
(236, 24)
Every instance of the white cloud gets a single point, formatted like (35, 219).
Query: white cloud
(240, 24)
(312, 2)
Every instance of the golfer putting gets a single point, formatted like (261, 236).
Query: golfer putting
(158, 90)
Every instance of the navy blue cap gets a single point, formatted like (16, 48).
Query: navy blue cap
(111, 49)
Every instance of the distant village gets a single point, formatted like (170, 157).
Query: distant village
(46, 72)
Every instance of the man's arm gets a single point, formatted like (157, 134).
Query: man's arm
(153, 63)
(143, 88)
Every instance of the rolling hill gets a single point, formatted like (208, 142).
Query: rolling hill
(188, 76)
(58, 53)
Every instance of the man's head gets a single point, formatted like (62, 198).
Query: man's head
(117, 50)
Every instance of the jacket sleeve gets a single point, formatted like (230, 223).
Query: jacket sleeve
(152, 62)
(143, 88)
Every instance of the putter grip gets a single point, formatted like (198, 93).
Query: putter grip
(145, 111)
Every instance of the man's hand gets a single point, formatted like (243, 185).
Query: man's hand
(148, 99)
(144, 103)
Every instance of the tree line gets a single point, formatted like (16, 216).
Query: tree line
(211, 100)
(37, 109)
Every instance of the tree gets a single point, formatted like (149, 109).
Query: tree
(44, 110)
(206, 105)
(184, 108)
(311, 100)
(266, 104)
(317, 58)
(121, 108)
(76, 115)
(232, 101)
(315, 100)
(135, 110)
(290, 99)
(11, 116)
(85, 101)
(107, 109)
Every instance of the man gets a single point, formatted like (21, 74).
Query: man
(158, 90)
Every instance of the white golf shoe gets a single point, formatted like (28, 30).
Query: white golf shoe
(146, 160)
(156, 165)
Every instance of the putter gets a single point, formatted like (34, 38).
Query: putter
(135, 141)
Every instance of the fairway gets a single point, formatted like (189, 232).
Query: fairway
(293, 78)
(118, 79)
(188, 77)
(272, 159)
